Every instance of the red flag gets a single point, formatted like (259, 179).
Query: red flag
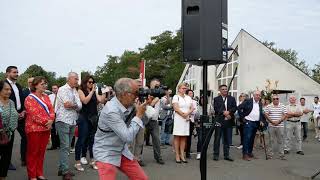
(142, 72)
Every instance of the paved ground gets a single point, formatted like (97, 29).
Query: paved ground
(296, 167)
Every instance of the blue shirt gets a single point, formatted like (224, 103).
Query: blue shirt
(111, 145)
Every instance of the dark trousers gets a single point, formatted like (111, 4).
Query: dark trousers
(199, 143)
(249, 131)
(23, 144)
(153, 128)
(73, 141)
(241, 133)
(54, 137)
(5, 157)
(85, 138)
(147, 136)
(225, 133)
(189, 139)
(305, 129)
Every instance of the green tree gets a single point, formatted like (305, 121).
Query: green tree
(60, 81)
(316, 72)
(36, 70)
(127, 65)
(2, 75)
(163, 58)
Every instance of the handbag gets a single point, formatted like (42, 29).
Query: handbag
(4, 138)
(93, 118)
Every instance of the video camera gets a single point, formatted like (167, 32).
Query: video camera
(158, 91)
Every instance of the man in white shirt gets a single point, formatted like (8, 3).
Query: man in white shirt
(251, 111)
(316, 116)
(55, 142)
(68, 106)
(305, 117)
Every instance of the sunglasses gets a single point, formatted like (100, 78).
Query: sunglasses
(90, 82)
(275, 98)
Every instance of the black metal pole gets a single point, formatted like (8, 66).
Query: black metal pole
(206, 135)
(203, 159)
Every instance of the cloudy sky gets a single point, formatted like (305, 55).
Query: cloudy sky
(77, 35)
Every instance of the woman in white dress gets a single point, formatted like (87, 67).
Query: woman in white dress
(182, 105)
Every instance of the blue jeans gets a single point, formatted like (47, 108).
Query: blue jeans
(164, 137)
(249, 132)
(85, 138)
(66, 133)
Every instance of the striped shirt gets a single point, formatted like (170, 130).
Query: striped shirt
(275, 113)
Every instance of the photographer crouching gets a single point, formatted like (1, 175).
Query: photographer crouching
(116, 130)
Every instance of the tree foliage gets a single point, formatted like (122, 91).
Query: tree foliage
(162, 56)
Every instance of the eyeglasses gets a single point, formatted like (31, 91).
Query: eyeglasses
(275, 98)
(90, 82)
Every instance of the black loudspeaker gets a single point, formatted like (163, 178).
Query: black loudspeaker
(204, 31)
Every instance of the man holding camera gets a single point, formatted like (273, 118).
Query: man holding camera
(153, 125)
(116, 130)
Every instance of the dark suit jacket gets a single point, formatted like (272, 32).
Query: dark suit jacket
(219, 107)
(245, 108)
(25, 93)
(13, 97)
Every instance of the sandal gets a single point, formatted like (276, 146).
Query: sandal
(93, 165)
(78, 167)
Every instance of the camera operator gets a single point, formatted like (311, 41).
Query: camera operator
(153, 125)
(113, 134)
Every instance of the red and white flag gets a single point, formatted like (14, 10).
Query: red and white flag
(142, 72)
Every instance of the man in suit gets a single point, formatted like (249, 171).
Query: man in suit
(251, 111)
(224, 106)
(17, 97)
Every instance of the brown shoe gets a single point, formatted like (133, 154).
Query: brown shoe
(246, 157)
(253, 156)
(67, 176)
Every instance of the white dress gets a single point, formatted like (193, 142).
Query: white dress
(181, 126)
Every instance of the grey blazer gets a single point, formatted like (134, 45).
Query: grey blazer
(113, 135)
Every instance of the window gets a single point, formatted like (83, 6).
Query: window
(235, 83)
(230, 70)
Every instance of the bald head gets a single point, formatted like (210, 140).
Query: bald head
(292, 99)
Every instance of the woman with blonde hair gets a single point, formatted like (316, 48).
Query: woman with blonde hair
(182, 105)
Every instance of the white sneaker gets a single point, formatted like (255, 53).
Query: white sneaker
(72, 150)
(240, 147)
(198, 156)
(83, 160)
(316, 137)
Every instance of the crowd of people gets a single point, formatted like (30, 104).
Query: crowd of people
(114, 126)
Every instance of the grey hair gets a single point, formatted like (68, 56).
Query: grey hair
(257, 92)
(123, 85)
(72, 74)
